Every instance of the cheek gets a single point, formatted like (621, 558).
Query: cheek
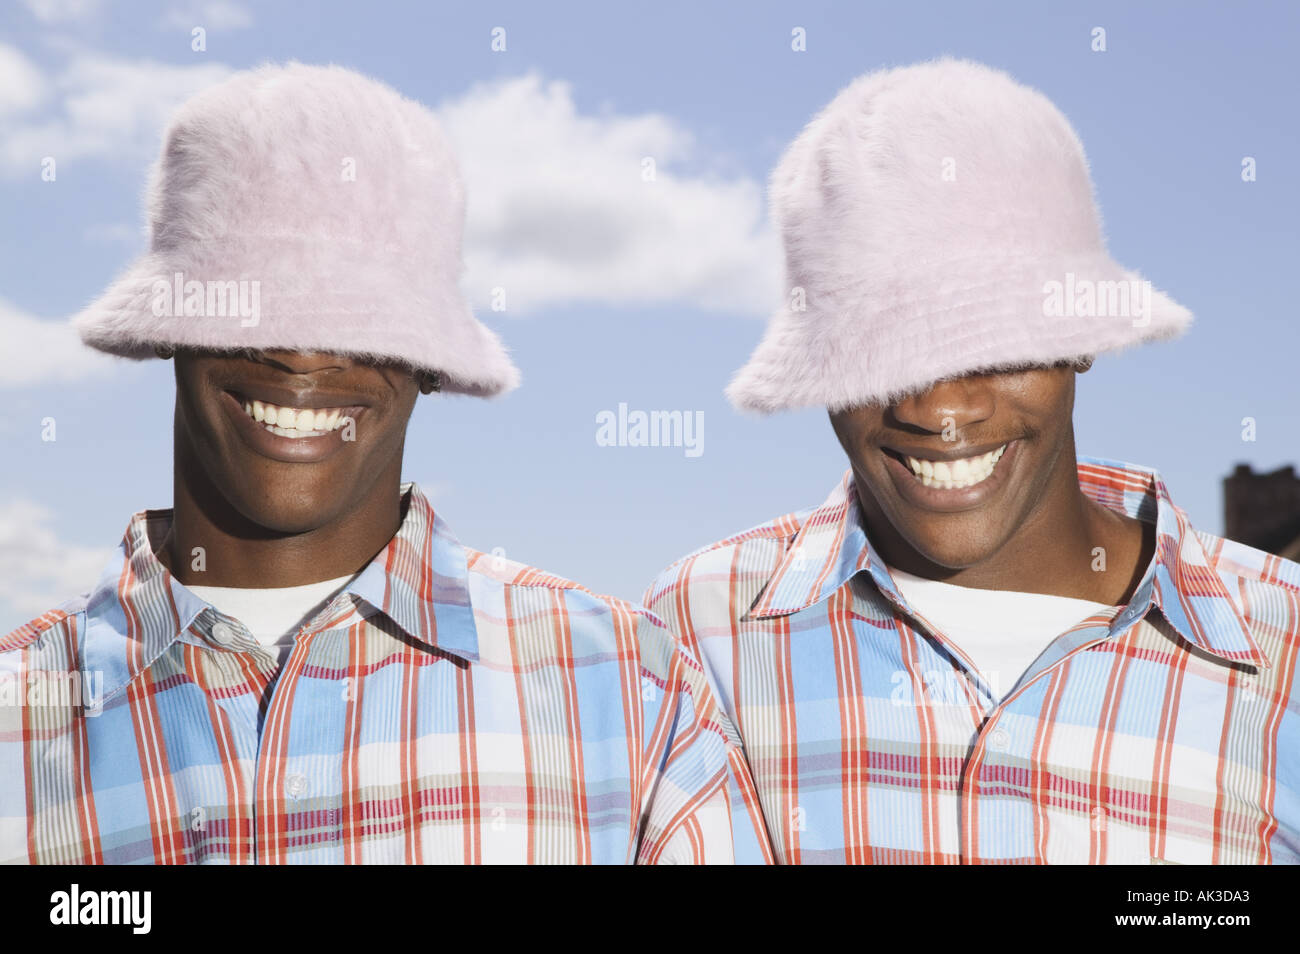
(390, 426)
(1051, 394)
(854, 429)
(1052, 419)
(197, 409)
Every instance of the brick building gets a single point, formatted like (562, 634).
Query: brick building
(1263, 510)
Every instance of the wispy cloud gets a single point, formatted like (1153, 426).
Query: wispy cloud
(112, 232)
(43, 351)
(38, 571)
(95, 107)
(209, 14)
(63, 11)
(562, 208)
(22, 87)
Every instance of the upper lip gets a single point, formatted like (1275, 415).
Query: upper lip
(307, 397)
(948, 453)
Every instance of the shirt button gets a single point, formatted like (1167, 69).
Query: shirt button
(223, 634)
(295, 785)
(1000, 739)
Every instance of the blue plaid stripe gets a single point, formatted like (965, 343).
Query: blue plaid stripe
(448, 706)
(1164, 730)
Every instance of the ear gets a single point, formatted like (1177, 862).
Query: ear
(1081, 365)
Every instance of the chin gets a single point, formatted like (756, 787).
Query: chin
(951, 558)
(286, 511)
(953, 546)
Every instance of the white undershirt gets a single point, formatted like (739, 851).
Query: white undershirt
(1002, 631)
(273, 616)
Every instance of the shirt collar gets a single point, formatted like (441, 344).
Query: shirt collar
(831, 547)
(138, 609)
(421, 581)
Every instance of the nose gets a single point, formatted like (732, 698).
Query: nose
(303, 362)
(948, 405)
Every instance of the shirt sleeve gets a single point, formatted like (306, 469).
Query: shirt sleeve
(684, 814)
(699, 793)
(750, 843)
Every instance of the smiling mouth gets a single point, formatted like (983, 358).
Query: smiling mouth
(952, 474)
(295, 422)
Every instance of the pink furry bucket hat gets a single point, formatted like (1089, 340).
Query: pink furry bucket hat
(304, 208)
(938, 220)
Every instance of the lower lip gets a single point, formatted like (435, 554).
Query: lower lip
(951, 501)
(291, 450)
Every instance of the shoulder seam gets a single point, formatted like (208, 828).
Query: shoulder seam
(533, 578)
(33, 630)
(771, 530)
(1255, 576)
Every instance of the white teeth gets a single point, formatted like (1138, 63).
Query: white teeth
(291, 432)
(957, 474)
(296, 422)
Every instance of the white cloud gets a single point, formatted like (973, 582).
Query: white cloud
(63, 11)
(22, 86)
(105, 108)
(211, 15)
(43, 351)
(113, 232)
(37, 570)
(559, 210)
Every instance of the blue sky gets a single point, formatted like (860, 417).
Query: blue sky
(660, 319)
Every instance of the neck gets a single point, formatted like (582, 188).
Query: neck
(237, 552)
(1054, 551)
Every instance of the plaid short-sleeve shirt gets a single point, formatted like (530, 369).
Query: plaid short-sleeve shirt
(447, 706)
(1167, 730)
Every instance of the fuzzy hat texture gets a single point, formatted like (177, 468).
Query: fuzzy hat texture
(304, 208)
(938, 220)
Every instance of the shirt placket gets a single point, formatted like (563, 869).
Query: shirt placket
(283, 787)
(947, 713)
(234, 716)
(269, 792)
(990, 734)
(994, 736)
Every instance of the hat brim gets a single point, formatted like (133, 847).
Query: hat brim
(468, 356)
(880, 339)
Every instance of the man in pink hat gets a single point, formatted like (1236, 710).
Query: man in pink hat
(981, 648)
(298, 662)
